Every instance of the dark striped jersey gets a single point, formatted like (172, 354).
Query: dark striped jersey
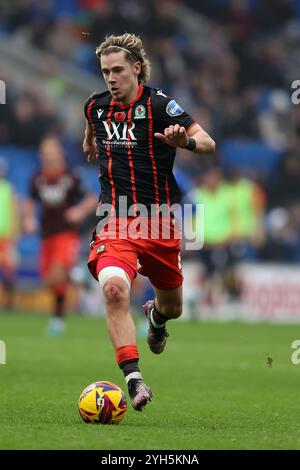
(56, 194)
(134, 163)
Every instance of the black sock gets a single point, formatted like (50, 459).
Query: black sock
(59, 305)
(131, 372)
(8, 285)
(157, 317)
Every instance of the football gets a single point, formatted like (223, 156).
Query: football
(102, 403)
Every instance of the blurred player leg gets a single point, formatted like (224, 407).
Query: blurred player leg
(59, 253)
(57, 281)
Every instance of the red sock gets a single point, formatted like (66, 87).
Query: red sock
(127, 353)
(127, 359)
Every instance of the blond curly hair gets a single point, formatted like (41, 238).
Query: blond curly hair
(133, 48)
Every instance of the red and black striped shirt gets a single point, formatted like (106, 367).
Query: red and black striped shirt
(133, 162)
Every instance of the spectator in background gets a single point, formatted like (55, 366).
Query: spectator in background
(247, 221)
(247, 216)
(31, 120)
(284, 189)
(214, 193)
(233, 228)
(283, 220)
(282, 235)
(65, 203)
(275, 124)
(9, 230)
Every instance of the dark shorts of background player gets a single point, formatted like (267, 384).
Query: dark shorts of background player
(158, 259)
(220, 259)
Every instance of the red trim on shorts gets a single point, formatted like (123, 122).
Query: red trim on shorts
(167, 285)
(129, 155)
(151, 153)
(106, 261)
(126, 353)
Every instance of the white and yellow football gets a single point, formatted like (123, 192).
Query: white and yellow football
(102, 403)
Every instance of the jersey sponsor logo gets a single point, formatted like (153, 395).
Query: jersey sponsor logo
(173, 109)
(160, 93)
(140, 112)
(99, 113)
(120, 116)
(54, 194)
(120, 134)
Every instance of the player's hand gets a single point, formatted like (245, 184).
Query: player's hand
(30, 225)
(74, 215)
(90, 148)
(174, 136)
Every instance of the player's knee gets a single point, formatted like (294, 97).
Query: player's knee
(115, 291)
(115, 284)
(172, 310)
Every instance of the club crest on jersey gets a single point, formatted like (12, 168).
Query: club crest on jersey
(140, 112)
(100, 249)
(173, 109)
(120, 116)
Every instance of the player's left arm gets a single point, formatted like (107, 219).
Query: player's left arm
(194, 138)
(78, 213)
(87, 204)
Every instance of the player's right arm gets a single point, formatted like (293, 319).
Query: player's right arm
(178, 128)
(178, 136)
(89, 142)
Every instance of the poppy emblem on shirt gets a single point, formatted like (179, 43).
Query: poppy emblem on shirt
(120, 116)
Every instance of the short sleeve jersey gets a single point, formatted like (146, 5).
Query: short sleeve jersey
(56, 195)
(134, 163)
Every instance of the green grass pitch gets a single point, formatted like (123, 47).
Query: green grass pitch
(213, 388)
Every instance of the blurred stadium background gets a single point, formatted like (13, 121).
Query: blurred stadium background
(230, 64)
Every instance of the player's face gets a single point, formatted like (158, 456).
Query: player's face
(212, 179)
(121, 76)
(51, 153)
